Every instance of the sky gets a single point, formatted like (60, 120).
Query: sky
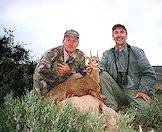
(41, 24)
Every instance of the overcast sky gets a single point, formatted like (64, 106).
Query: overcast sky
(42, 23)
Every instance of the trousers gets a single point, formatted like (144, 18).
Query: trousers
(116, 96)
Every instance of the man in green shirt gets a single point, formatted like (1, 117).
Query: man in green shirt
(60, 63)
(127, 78)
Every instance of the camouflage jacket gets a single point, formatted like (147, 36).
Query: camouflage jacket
(46, 75)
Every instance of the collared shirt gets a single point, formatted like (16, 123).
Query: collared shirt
(66, 55)
(140, 72)
(121, 57)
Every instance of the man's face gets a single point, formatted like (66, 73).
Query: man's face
(119, 36)
(70, 44)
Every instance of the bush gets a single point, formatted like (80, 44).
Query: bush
(149, 117)
(16, 67)
(125, 120)
(33, 112)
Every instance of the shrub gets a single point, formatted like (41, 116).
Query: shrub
(33, 112)
(125, 120)
(16, 67)
(149, 117)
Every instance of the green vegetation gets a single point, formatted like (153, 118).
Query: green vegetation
(41, 115)
(33, 112)
(149, 117)
(16, 67)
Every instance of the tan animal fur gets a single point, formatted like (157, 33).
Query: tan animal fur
(87, 85)
(90, 104)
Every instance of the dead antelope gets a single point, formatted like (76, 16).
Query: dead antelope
(86, 85)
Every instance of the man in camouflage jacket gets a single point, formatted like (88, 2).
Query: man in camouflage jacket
(59, 64)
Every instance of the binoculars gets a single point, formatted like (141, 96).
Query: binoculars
(122, 78)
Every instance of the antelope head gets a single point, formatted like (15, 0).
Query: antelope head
(93, 61)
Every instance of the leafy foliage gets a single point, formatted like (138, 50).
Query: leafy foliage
(33, 112)
(125, 120)
(149, 117)
(16, 66)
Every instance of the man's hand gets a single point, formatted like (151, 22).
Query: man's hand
(89, 68)
(63, 68)
(143, 96)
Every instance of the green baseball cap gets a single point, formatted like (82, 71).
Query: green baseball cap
(71, 32)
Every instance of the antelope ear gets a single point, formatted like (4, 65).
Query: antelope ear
(87, 60)
(85, 55)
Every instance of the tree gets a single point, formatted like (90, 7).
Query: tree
(16, 66)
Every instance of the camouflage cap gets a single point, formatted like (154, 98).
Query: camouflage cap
(71, 33)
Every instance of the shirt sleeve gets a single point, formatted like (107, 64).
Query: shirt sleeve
(103, 61)
(148, 76)
(45, 72)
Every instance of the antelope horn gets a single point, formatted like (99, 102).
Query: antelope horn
(97, 54)
(90, 53)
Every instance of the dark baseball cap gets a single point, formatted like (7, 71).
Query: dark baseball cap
(71, 32)
(119, 25)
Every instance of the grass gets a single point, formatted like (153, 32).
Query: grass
(34, 113)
